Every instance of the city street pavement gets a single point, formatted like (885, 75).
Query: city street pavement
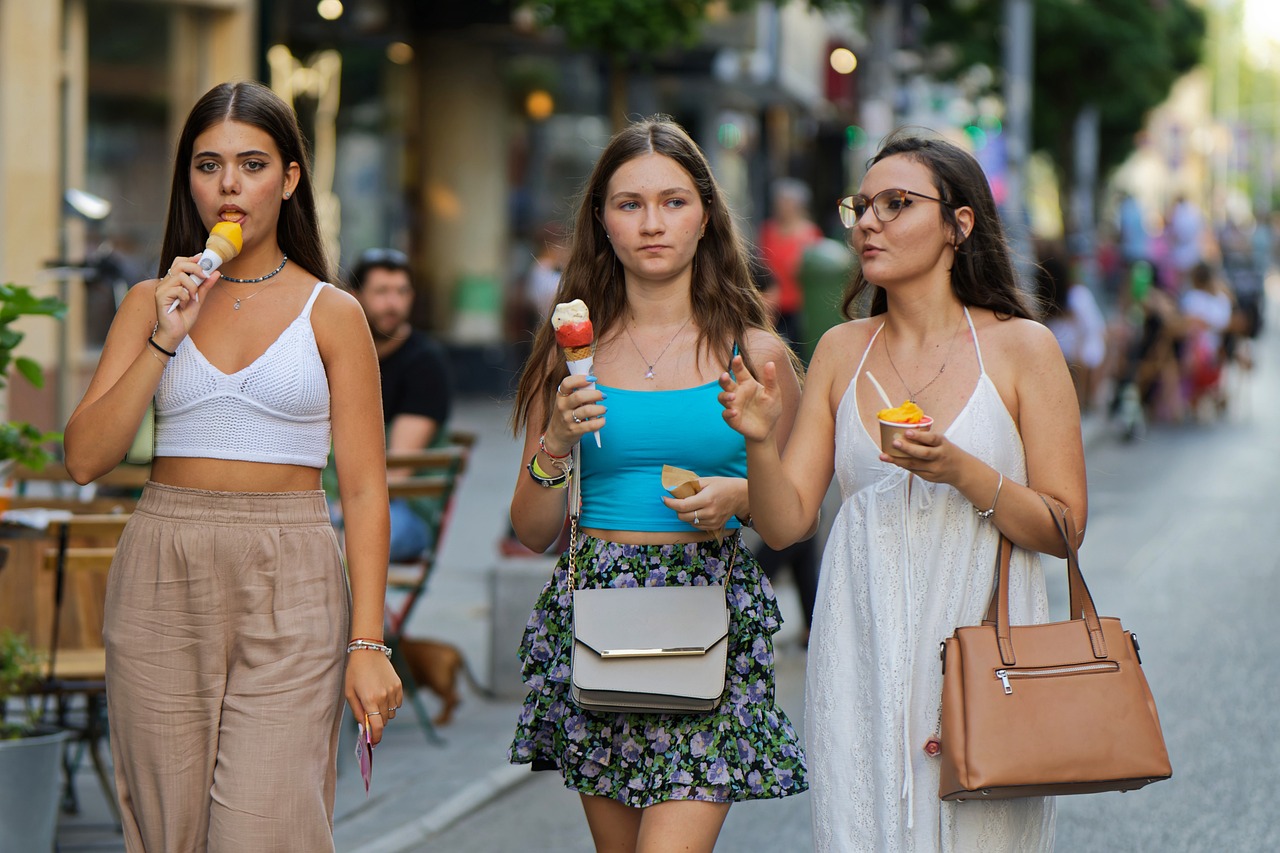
(1180, 544)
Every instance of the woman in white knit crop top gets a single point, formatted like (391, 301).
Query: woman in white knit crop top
(231, 629)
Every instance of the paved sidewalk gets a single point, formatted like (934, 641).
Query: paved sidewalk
(420, 789)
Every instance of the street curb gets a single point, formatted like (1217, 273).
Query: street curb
(411, 836)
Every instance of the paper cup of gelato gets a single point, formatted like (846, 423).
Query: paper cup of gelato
(895, 421)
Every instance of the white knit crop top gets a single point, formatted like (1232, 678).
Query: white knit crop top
(274, 410)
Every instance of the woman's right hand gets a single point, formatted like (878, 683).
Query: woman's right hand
(577, 412)
(178, 285)
(750, 407)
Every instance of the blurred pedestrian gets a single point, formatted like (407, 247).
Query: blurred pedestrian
(1206, 309)
(1184, 234)
(909, 557)
(229, 624)
(543, 277)
(1071, 312)
(417, 385)
(658, 260)
(783, 240)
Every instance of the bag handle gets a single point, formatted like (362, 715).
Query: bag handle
(1081, 606)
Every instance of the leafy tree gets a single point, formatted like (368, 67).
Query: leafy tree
(1121, 57)
(630, 32)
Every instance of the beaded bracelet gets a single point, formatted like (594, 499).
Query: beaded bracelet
(542, 443)
(371, 645)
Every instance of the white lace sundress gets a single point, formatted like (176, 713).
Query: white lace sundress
(873, 651)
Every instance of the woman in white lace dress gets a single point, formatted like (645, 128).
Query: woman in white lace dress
(911, 552)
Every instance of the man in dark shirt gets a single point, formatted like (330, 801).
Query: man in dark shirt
(417, 387)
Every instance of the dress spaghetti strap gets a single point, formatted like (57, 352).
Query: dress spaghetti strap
(320, 285)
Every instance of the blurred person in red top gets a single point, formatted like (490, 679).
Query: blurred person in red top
(783, 240)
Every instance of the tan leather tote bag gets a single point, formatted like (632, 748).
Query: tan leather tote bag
(1044, 710)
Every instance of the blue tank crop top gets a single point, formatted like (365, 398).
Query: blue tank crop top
(644, 430)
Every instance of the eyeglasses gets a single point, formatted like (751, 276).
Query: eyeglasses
(383, 257)
(886, 205)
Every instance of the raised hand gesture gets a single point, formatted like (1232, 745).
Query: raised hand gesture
(751, 407)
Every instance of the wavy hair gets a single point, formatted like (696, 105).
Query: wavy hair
(982, 275)
(725, 300)
(297, 230)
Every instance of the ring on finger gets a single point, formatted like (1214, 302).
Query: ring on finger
(560, 391)
(576, 419)
(695, 518)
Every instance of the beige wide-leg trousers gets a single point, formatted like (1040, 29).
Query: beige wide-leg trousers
(226, 626)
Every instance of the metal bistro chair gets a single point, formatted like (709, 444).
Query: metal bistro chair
(77, 661)
(437, 473)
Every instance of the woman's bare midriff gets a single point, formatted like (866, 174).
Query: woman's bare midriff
(647, 537)
(222, 475)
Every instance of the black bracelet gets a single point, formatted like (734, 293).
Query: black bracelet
(152, 341)
(546, 482)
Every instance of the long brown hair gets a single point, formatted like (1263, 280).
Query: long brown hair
(725, 300)
(982, 275)
(254, 104)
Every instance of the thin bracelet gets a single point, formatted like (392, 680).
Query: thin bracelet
(542, 443)
(987, 513)
(152, 340)
(370, 645)
(161, 361)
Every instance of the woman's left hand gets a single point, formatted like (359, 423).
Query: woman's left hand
(720, 499)
(373, 689)
(930, 456)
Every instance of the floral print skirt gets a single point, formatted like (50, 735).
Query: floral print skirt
(744, 749)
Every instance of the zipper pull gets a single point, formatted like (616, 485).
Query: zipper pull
(1003, 675)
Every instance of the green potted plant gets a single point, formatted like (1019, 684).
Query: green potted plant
(22, 443)
(30, 765)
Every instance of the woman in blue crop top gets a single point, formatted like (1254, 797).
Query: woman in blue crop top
(232, 632)
(658, 260)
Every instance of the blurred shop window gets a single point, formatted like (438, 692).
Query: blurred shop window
(127, 152)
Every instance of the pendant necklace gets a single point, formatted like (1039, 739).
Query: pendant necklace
(272, 274)
(914, 396)
(648, 374)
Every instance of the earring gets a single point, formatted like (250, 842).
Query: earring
(287, 194)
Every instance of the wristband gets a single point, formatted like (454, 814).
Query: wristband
(542, 478)
(152, 340)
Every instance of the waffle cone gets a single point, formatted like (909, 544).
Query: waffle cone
(221, 246)
(577, 353)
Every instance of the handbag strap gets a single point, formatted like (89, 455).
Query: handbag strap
(575, 508)
(1081, 606)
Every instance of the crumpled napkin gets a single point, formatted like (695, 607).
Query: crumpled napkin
(682, 483)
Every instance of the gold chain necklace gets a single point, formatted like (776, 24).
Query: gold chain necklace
(648, 374)
(914, 396)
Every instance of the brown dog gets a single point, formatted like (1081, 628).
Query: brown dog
(436, 666)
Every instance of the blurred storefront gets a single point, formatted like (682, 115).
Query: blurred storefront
(456, 132)
(92, 93)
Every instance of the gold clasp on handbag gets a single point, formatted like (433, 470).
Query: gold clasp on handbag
(652, 653)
